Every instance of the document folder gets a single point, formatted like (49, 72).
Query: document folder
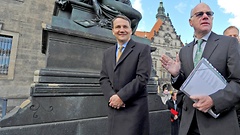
(204, 80)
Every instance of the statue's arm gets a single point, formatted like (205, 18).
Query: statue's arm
(123, 8)
(97, 8)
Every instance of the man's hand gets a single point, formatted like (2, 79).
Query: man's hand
(116, 102)
(173, 67)
(175, 117)
(203, 103)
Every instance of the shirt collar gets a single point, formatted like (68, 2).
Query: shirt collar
(124, 45)
(205, 38)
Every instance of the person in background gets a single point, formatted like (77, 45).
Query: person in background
(175, 111)
(126, 69)
(232, 31)
(223, 53)
(166, 93)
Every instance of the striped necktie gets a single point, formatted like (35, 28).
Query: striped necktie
(119, 52)
(199, 52)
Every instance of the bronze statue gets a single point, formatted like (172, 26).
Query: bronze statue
(106, 10)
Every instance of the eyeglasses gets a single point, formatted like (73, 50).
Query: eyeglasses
(200, 14)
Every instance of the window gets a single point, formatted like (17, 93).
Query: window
(8, 49)
(169, 75)
(5, 51)
(155, 64)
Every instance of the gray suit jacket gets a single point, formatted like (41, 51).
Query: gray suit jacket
(128, 79)
(223, 53)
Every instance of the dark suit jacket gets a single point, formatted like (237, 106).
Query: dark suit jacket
(170, 105)
(128, 79)
(174, 123)
(223, 53)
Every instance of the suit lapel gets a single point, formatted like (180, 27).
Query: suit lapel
(210, 46)
(126, 52)
(208, 50)
(190, 57)
(113, 59)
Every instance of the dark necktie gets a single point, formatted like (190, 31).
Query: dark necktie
(175, 105)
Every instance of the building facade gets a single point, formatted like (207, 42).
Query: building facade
(166, 41)
(20, 45)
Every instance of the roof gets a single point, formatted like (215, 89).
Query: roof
(150, 34)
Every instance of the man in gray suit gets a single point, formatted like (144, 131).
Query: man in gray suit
(124, 76)
(233, 31)
(222, 52)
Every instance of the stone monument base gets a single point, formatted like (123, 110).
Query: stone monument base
(66, 98)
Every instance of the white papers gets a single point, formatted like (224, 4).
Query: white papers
(203, 80)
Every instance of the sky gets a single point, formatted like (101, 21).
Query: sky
(226, 13)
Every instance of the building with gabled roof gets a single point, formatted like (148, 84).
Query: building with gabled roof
(166, 41)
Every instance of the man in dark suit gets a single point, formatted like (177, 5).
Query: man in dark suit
(175, 113)
(223, 53)
(124, 76)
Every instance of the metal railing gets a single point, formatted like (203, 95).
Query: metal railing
(3, 106)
